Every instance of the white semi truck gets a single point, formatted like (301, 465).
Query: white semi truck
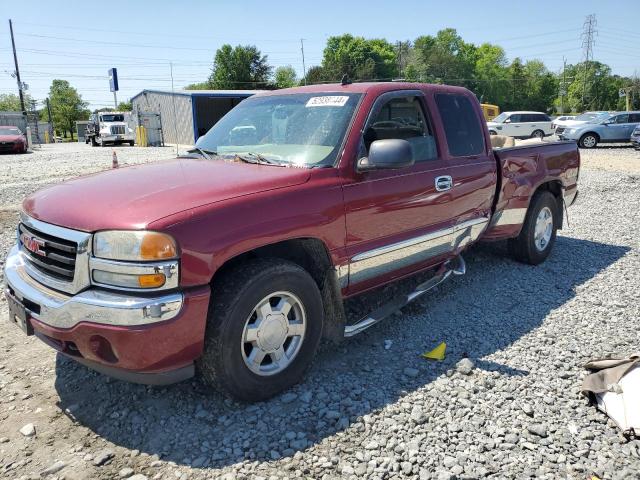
(109, 128)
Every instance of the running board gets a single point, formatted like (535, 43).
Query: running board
(451, 267)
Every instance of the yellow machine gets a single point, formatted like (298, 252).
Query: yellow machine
(490, 111)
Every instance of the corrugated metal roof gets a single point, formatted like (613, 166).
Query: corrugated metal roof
(203, 93)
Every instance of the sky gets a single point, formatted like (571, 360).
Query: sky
(141, 38)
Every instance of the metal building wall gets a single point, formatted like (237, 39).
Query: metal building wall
(176, 112)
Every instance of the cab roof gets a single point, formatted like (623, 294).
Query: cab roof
(364, 87)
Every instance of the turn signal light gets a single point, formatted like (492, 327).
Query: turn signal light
(152, 280)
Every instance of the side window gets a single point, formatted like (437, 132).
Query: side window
(634, 118)
(516, 118)
(461, 125)
(527, 118)
(403, 118)
(622, 118)
(544, 118)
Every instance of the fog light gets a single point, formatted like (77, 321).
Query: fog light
(151, 280)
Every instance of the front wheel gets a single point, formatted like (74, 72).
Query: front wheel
(539, 134)
(263, 329)
(538, 234)
(588, 140)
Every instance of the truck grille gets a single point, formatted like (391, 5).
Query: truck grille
(117, 129)
(52, 256)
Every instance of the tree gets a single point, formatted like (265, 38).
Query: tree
(67, 106)
(285, 77)
(125, 107)
(359, 58)
(10, 102)
(242, 67)
(491, 74)
(445, 58)
(315, 74)
(199, 86)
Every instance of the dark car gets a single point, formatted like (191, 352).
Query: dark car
(12, 140)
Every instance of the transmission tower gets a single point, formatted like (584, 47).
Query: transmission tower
(588, 39)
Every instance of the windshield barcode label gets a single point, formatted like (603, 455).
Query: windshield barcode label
(329, 101)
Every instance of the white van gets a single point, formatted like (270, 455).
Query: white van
(521, 125)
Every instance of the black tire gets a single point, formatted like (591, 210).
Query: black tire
(588, 140)
(523, 247)
(131, 144)
(94, 143)
(537, 134)
(234, 297)
(492, 132)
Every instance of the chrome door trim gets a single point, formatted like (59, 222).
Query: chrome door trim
(381, 260)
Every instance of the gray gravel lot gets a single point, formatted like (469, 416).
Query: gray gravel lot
(370, 408)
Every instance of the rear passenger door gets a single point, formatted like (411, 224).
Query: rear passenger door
(615, 129)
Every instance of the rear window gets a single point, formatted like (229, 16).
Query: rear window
(461, 125)
(634, 117)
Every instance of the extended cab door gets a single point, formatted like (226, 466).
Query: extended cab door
(400, 221)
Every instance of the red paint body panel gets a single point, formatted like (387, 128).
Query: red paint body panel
(152, 348)
(218, 210)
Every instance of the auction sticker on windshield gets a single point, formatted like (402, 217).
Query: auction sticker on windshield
(328, 101)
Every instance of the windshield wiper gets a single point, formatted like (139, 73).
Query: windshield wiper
(204, 153)
(250, 157)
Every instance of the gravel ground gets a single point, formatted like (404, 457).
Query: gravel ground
(370, 408)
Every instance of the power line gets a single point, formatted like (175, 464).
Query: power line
(588, 39)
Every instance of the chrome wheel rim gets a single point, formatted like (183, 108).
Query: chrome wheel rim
(273, 333)
(544, 229)
(589, 141)
(538, 134)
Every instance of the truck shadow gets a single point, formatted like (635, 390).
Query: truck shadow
(494, 305)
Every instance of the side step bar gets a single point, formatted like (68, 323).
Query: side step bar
(451, 267)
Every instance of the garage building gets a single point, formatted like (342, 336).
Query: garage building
(186, 115)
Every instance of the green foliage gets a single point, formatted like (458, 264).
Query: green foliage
(445, 58)
(315, 75)
(67, 106)
(199, 86)
(359, 58)
(124, 107)
(239, 68)
(10, 102)
(285, 77)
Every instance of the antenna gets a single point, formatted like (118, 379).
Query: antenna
(304, 70)
(345, 79)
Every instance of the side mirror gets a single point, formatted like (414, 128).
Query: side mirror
(387, 154)
(508, 120)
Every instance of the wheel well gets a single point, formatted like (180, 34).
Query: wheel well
(555, 188)
(591, 133)
(312, 255)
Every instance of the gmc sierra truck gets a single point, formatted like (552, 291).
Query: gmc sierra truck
(236, 261)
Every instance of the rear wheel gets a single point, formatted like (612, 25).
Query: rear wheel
(131, 143)
(538, 234)
(588, 140)
(94, 143)
(537, 134)
(263, 329)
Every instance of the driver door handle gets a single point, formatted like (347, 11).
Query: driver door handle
(444, 183)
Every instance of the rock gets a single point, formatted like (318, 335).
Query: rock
(288, 397)
(54, 468)
(332, 415)
(388, 344)
(411, 372)
(527, 409)
(373, 445)
(538, 430)
(511, 438)
(29, 430)
(125, 472)
(529, 445)
(465, 366)
(417, 415)
(4, 440)
(139, 476)
(102, 457)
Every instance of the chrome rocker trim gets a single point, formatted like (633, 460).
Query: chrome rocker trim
(99, 306)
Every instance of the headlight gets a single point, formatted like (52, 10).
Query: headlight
(134, 245)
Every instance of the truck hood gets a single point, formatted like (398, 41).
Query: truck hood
(133, 197)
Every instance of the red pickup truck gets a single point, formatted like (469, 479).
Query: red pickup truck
(236, 260)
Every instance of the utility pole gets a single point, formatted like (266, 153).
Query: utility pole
(588, 39)
(15, 61)
(49, 117)
(563, 86)
(304, 70)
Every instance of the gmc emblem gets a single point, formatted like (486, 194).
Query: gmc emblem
(33, 244)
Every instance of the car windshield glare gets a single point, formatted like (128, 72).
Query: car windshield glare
(302, 130)
(10, 131)
(500, 118)
(112, 118)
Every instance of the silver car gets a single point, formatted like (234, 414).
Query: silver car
(616, 128)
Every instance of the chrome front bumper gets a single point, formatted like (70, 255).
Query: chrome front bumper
(93, 305)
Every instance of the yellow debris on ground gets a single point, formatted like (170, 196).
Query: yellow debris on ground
(437, 353)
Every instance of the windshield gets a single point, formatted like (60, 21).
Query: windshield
(500, 118)
(112, 118)
(299, 129)
(587, 117)
(10, 131)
